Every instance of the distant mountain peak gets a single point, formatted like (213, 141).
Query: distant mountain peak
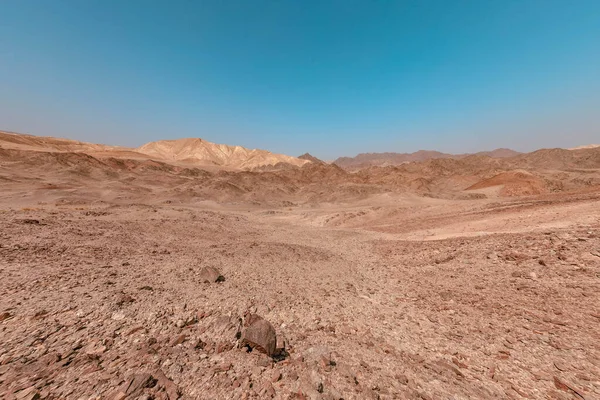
(311, 158)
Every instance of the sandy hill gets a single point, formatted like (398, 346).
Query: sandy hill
(193, 151)
(587, 146)
(364, 160)
(199, 151)
(19, 141)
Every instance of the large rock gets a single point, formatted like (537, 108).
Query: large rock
(210, 275)
(259, 334)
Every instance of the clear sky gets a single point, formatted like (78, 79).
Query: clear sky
(328, 77)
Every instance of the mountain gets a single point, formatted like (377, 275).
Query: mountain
(311, 158)
(587, 146)
(19, 141)
(498, 153)
(384, 159)
(198, 152)
(193, 151)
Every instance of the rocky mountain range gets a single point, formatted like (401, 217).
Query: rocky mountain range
(363, 160)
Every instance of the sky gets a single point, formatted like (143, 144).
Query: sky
(333, 78)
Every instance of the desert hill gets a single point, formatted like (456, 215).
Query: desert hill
(384, 159)
(201, 152)
(587, 146)
(194, 169)
(10, 140)
(192, 151)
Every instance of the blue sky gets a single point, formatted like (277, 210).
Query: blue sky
(329, 77)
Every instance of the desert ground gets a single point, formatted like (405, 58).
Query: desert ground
(440, 279)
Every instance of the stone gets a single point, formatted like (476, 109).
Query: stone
(28, 394)
(5, 315)
(210, 275)
(402, 379)
(259, 334)
(138, 382)
(168, 385)
(179, 339)
(275, 375)
(124, 299)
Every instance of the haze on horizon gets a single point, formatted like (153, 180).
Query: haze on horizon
(332, 79)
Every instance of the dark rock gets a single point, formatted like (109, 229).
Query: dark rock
(123, 299)
(5, 315)
(259, 334)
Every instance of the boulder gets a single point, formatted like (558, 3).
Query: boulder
(259, 334)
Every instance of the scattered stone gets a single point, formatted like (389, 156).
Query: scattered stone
(123, 299)
(224, 367)
(118, 316)
(533, 275)
(135, 384)
(259, 334)
(199, 345)
(169, 387)
(179, 339)
(28, 394)
(567, 387)
(275, 376)
(210, 275)
(402, 379)
(5, 315)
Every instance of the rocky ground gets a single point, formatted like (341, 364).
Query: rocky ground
(110, 301)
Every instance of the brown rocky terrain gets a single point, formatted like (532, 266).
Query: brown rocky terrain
(141, 277)
(364, 160)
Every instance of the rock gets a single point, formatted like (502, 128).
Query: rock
(267, 391)
(179, 339)
(124, 299)
(259, 334)
(275, 376)
(402, 379)
(5, 315)
(210, 275)
(28, 394)
(138, 382)
(533, 275)
(565, 386)
(223, 367)
(119, 395)
(281, 346)
(167, 384)
(265, 362)
(118, 316)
